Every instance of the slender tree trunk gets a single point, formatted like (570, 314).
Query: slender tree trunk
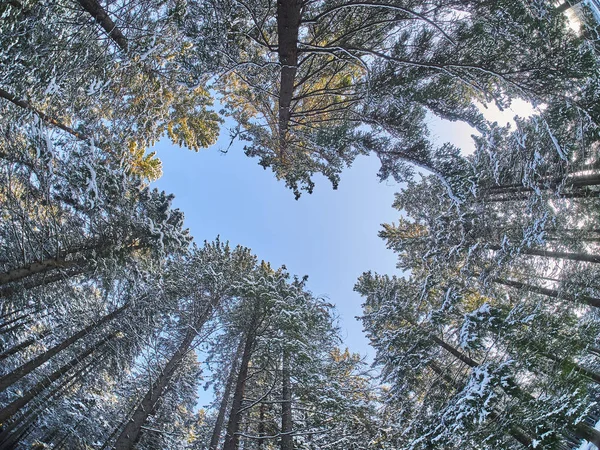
(582, 430)
(572, 181)
(261, 425)
(591, 301)
(132, 430)
(7, 291)
(566, 5)
(287, 440)
(52, 121)
(23, 345)
(8, 432)
(288, 25)
(101, 16)
(231, 437)
(14, 407)
(516, 432)
(581, 257)
(214, 440)
(35, 268)
(14, 376)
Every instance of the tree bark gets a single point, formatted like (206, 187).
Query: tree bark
(132, 430)
(287, 440)
(52, 121)
(214, 440)
(581, 257)
(101, 16)
(516, 432)
(14, 376)
(591, 301)
(581, 430)
(35, 268)
(232, 438)
(566, 5)
(571, 181)
(7, 291)
(23, 345)
(288, 25)
(11, 409)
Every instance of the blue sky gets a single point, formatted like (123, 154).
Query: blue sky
(330, 235)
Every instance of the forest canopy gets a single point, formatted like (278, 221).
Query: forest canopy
(112, 317)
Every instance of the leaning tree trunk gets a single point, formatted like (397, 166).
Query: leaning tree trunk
(11, 433)
(14, 376)
(581, 257)
(23, 345)
(287, 440)
(7, 291)
(132, 430)
(214, 440)
(48, 119)
(288, 25)
(103, 19)
(232, 437)
(581, 430)
(591, 301)
(14, 407)
(516, 432)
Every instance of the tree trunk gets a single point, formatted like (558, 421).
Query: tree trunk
(14, 376)
(35, 268)
(131, 432)
(11, 409)
(516, 432)
(9, 432)
(7, 291)
(583, 431)
(591, 301)
(572, 181)
(214, 440)
(288, 25)
(582, 257)
(566, 5)
(52, 121)
(23, 345)
(98, 13)
(287, 440)
(231, 437)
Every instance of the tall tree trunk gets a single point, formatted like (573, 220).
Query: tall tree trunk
(591, 301)
(37, 267)
(566, 5)
(101, 16)
(10, 431)
(52, 121)
(7, 291)
(14, 376)
(216, 435)
(23, 345)
(99, 247)
(261, 426)
(516, 432)
(582, 430)
(571, 181)
(14, 407)
(287, 440)
(132, 430)
(232, 438)
(581, 257)
(288, 25)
